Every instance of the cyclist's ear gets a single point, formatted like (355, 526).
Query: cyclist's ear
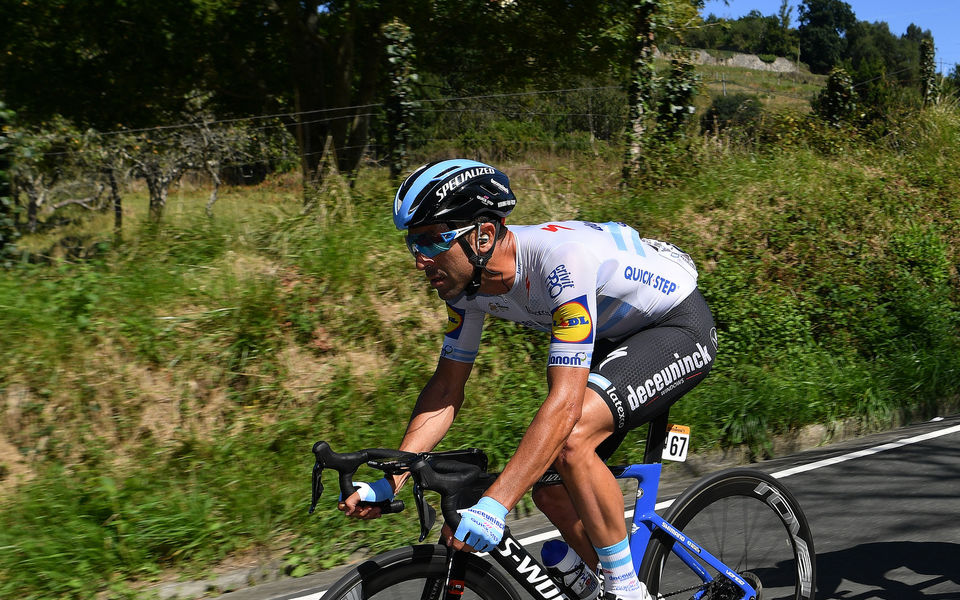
(485, 237)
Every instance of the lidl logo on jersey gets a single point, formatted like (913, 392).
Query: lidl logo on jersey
(454, 322)
(572, 322)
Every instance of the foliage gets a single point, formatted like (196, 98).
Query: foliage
(737, 111)
(868, 43)
(8, 224)
(400, 55)
(836, 103)
(677, 91)
(767, 36)
(150, 384)
(321, 64)
(823, 25)
(928, 72)
(101, 64)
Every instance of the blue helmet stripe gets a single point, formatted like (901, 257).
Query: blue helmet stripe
(403, 213)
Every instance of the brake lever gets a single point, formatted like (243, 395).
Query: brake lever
(428, 515)
(317, 485)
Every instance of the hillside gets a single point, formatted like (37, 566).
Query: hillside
(161, 394)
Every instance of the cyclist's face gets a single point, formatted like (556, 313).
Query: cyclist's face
(448, 272)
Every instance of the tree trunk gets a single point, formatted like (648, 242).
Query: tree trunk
(117, 204)
(329, 99)
(640, 93)
(157, 186)
(36, 196)
(212, 170)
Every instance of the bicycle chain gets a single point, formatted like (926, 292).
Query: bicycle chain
(717, 589)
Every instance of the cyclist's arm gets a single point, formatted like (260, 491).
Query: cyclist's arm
(545, 436)
(438, 404)
(571, 347)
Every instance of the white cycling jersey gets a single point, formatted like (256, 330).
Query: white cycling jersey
(580, 282)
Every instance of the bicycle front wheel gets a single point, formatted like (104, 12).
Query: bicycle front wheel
(416, 573)
(751, 523)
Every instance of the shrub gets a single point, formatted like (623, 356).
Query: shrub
(739, 111)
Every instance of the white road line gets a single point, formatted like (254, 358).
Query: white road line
(827, 462)
(861, 453)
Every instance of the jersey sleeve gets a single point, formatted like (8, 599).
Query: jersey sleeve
(461, 339)
(571, 286)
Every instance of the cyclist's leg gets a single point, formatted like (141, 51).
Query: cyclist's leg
(630, 383)
(600, 495)
(554, 502)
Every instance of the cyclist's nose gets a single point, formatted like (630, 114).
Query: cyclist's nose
(422, 261)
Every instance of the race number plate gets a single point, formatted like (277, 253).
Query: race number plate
(678, 440)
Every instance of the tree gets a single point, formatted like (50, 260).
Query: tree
(837, 101)
(928, 73)
(640, 91)
(953, 79)
(119, 65)
(99, 63)
(783, 15)
(869, 42)
(400, 55)
(160, 158)
(822, 31)
(8, 222)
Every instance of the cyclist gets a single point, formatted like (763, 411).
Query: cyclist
(630, 334)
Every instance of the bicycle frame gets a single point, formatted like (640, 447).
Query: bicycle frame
(532, 576)
(527, 571)
(646, 521)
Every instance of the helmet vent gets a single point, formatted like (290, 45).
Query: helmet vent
(443, 173)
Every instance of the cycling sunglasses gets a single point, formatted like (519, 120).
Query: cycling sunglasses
(432, 244)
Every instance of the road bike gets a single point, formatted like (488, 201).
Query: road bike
(736, 534)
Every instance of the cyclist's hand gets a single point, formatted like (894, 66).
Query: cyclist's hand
(481, 527)
(377, 491)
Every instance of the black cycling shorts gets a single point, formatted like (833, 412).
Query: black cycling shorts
(642, 375)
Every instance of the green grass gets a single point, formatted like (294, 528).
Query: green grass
(164, 395)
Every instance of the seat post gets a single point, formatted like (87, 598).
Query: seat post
(656, 438)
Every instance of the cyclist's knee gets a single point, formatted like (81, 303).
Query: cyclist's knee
(579, 445)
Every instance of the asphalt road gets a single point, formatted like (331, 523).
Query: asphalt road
(884, 509)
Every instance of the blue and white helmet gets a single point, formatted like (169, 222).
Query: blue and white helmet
(450, 191)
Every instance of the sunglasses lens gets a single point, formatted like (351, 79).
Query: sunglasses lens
(428, 245)
(432, 244)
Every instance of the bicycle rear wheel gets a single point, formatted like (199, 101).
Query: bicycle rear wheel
(418, 572)
(751, 523)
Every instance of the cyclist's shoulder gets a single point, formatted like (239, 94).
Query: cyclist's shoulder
(545, 237)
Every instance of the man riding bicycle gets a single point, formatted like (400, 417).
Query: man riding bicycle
(630, 334)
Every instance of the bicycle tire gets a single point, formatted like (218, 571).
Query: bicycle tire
(404, 573)
(751, 523)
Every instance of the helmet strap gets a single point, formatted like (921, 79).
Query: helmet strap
(478, 260)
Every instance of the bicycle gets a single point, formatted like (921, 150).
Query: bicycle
(760, 546)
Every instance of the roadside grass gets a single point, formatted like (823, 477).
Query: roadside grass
(165, 392)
